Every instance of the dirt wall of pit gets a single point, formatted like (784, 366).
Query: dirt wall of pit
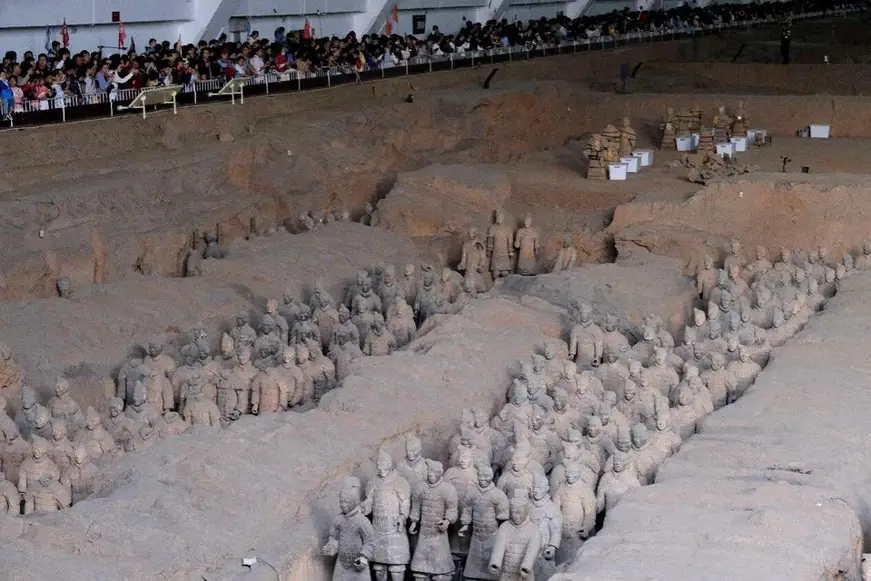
(762, 209)
(811, 79)
(775, 486)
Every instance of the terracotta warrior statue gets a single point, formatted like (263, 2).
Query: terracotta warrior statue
(131, 372)
(576, 502)
(116, 422)
(46, 495)
(10, 375)
(13, 453)
(80, 476)
(37, 467)
(324, 314)
(63, 407)
(473, 262)
(388, 501)
(586, 342)
(597, 157)
(500, 247)
(668, 127)
(413, 465)
(200, 411)
(518, 542)
(566, 257)
(527, 246)
(378, 341)
(400, 322)
(288, 376)
(616, 483)
(433, 509)
(267, 394)
(10, 499)
(485, 507)
(351, 538)
(547, 516)
(243, 333)
(60, 449)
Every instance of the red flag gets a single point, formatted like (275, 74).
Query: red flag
(396, 13)
(307, 29)
(388, 28)
(122, 34)
(65, 34)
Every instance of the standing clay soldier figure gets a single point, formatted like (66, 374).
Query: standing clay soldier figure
(281, 324)
(157, 359)
(37, 467)
(485, 507)
(41, 425)
(346, 357)
(289, 377)
(324, 315)
(526, 243)
(366, 304)
(267, 395)
(345, 325)
(213, 249)
(735, 258)
(566, 257)
(7, 424)
(576, 501)
(706, 279)
(305, 327)
(159, 391)
(63, 407)
(138, 411)
(10, 376)
(131, 372)
(400, 322)
(596, 158)
(378, 341)
(518, 542)
(586, 342)
(200, 411)
(370, 215)
(116, 422)
(351, 537)
(473, 263)
(616, 483)
(388, 501)
(863, 261)
(463, 477)
(80, 475)
(413, 466)
(322, 370)
(243, 333)
(45, 496)
(500, 247)
(60, 449)
(13, 453)
(10, 499)
(547, 516)
(433, 510)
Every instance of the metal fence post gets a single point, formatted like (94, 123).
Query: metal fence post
(452, 60)
(329, 79)
(298, 81)
(195, 94)
(429, 60)
(266, 80)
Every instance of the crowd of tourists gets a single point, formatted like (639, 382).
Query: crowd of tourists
(59, 72)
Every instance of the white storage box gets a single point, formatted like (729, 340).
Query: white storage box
(684, 143)
(617, 171)
(631, 163)
(740, 143)
(752, 133)
(819, 131)
(696, 138)
(724, 149)
(646, 156)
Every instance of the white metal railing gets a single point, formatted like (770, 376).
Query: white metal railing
(199, 88)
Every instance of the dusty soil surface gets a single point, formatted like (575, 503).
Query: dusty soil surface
(118, 210)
